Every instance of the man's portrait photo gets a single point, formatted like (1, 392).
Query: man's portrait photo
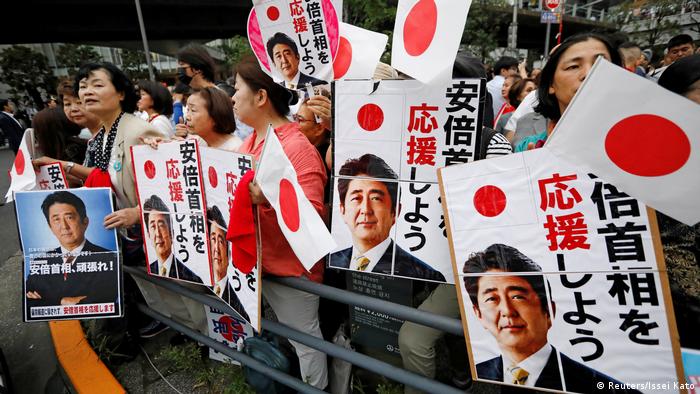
(156, 220)
(515, 310)
(78, 271)
(219, 247)
(369, 208)
(285, 55)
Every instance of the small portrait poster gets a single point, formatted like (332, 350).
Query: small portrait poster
(295, 41)
(71, 262)
(173, 211)
(561, 278)
(223, 171)
(227, 329)
(390, 137)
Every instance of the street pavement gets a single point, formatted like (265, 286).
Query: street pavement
(27, 347)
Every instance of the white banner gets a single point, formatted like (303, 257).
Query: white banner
(558, 277)
(171, 198)
(223, 170)
(389, 139)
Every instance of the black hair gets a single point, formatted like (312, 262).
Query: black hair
(628, 45)
(680, 75)
(504, 62)
(280, 97)
(154, 203)
(281, 38)
(162, 99)
(4, 102)
(226, 88)
(63, 197)
(516, 89)
(215, 215)
(181, 88)
(680, 39)
(548, 105)
(371, 166)
(467, 66)
(504, 258)
(119, 80)
(198, 58)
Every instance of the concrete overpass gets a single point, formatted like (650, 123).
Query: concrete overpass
(170, 24)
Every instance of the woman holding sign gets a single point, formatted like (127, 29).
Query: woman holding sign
(561, 77)
(259, 102)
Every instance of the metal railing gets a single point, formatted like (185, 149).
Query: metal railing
(448, 325)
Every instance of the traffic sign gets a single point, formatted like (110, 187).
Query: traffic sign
(549, 17)
(552, 4)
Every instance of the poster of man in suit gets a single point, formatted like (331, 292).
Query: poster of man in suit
(369, 206)
(71, 268)
(561, 281)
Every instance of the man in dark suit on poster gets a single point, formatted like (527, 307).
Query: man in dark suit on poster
(514, 309)
(284, 53)
(220, 261)
(369, 208)
(94, 274)
(156, 218)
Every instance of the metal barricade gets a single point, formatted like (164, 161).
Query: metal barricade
(448, 325)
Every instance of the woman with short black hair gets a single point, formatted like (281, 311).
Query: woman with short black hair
(157, 103)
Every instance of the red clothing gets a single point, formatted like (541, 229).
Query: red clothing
(278, 258)
(505, 109)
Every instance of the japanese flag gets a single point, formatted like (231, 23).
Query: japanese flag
(301, 224)
(22, 176)
(481, 197)
(636, 135)
(359, 52)
(427, 34)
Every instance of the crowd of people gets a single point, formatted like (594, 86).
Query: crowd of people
(101, 114)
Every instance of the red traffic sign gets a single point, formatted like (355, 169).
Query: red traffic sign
(552, 4)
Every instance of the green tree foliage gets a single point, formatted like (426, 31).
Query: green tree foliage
(374, 15)
(483, 24)
(134, 64)
(234, 49)
(26, 71)
(73, 56)
(647, 21)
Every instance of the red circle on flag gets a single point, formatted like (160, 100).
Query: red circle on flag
(343, 58)
(213, 179)
(647, 145)
(370, 117)
(150, 169)
(273, 13)
(233, 327)
(552, 4)
(19, 162)
(419, 27)
(289, 205)
(490, 201)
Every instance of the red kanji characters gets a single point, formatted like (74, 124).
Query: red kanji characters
(567, 232)
(423, 120)
(295, 8)
(172, 169)
(556, 198)
(175, 189)
(422, 150)
(231, 183)
(300, 24)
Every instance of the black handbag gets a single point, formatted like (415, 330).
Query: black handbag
(265, 348)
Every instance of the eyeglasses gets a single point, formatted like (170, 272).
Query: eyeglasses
(300, 119)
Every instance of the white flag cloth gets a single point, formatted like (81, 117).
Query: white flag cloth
(359, 51)
(637, 135)
(427, 34)
(22, 176)
(300, 223)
